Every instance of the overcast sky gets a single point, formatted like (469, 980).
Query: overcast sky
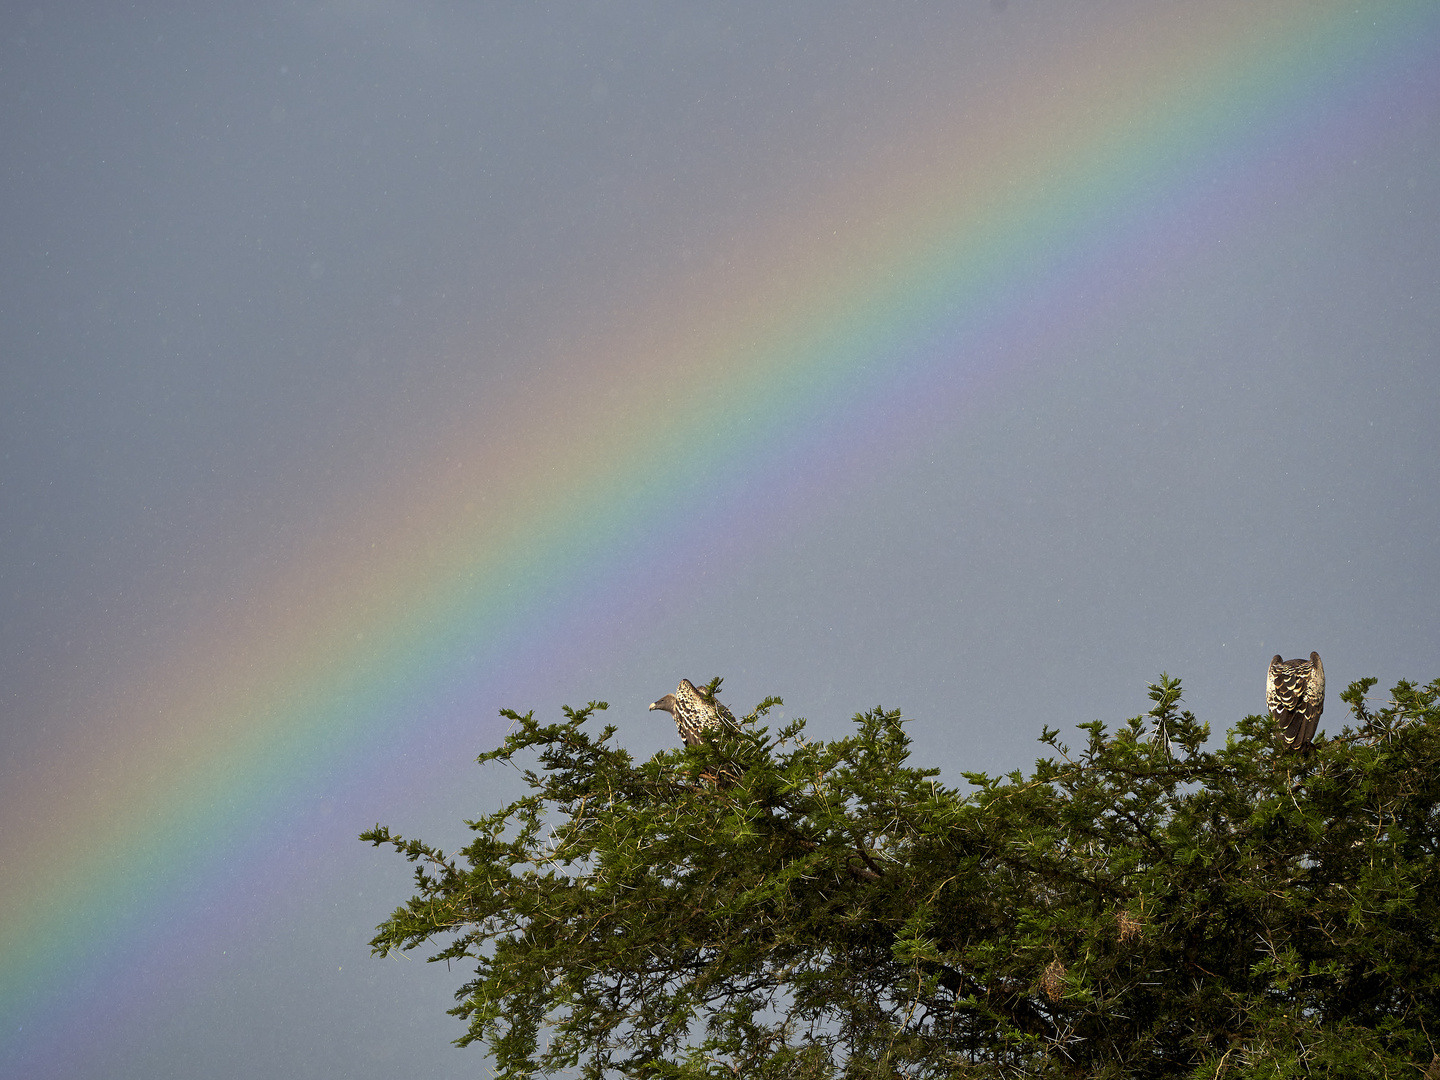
(275, 275)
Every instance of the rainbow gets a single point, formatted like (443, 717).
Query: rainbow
(880, 313)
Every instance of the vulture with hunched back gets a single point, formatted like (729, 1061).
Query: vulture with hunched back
(1295, 693)
(695, 714)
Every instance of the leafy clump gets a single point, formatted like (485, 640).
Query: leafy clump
(766, 905)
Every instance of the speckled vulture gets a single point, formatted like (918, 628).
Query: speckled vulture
(1295, 692)
(694, 713)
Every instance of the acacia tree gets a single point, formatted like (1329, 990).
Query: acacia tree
(767, 905)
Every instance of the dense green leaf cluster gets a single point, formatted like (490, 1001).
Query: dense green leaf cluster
(772, 906)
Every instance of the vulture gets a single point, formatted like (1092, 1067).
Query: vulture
(1295, 693)
(694, 712)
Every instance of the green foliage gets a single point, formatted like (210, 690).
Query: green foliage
(771, 906)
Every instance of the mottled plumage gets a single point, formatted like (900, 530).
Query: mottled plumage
(694, 713)
(1295, 693)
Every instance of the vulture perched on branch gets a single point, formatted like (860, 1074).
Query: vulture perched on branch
(1295, 693)
(696, 712)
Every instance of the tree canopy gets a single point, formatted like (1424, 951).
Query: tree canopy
(767, 905)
